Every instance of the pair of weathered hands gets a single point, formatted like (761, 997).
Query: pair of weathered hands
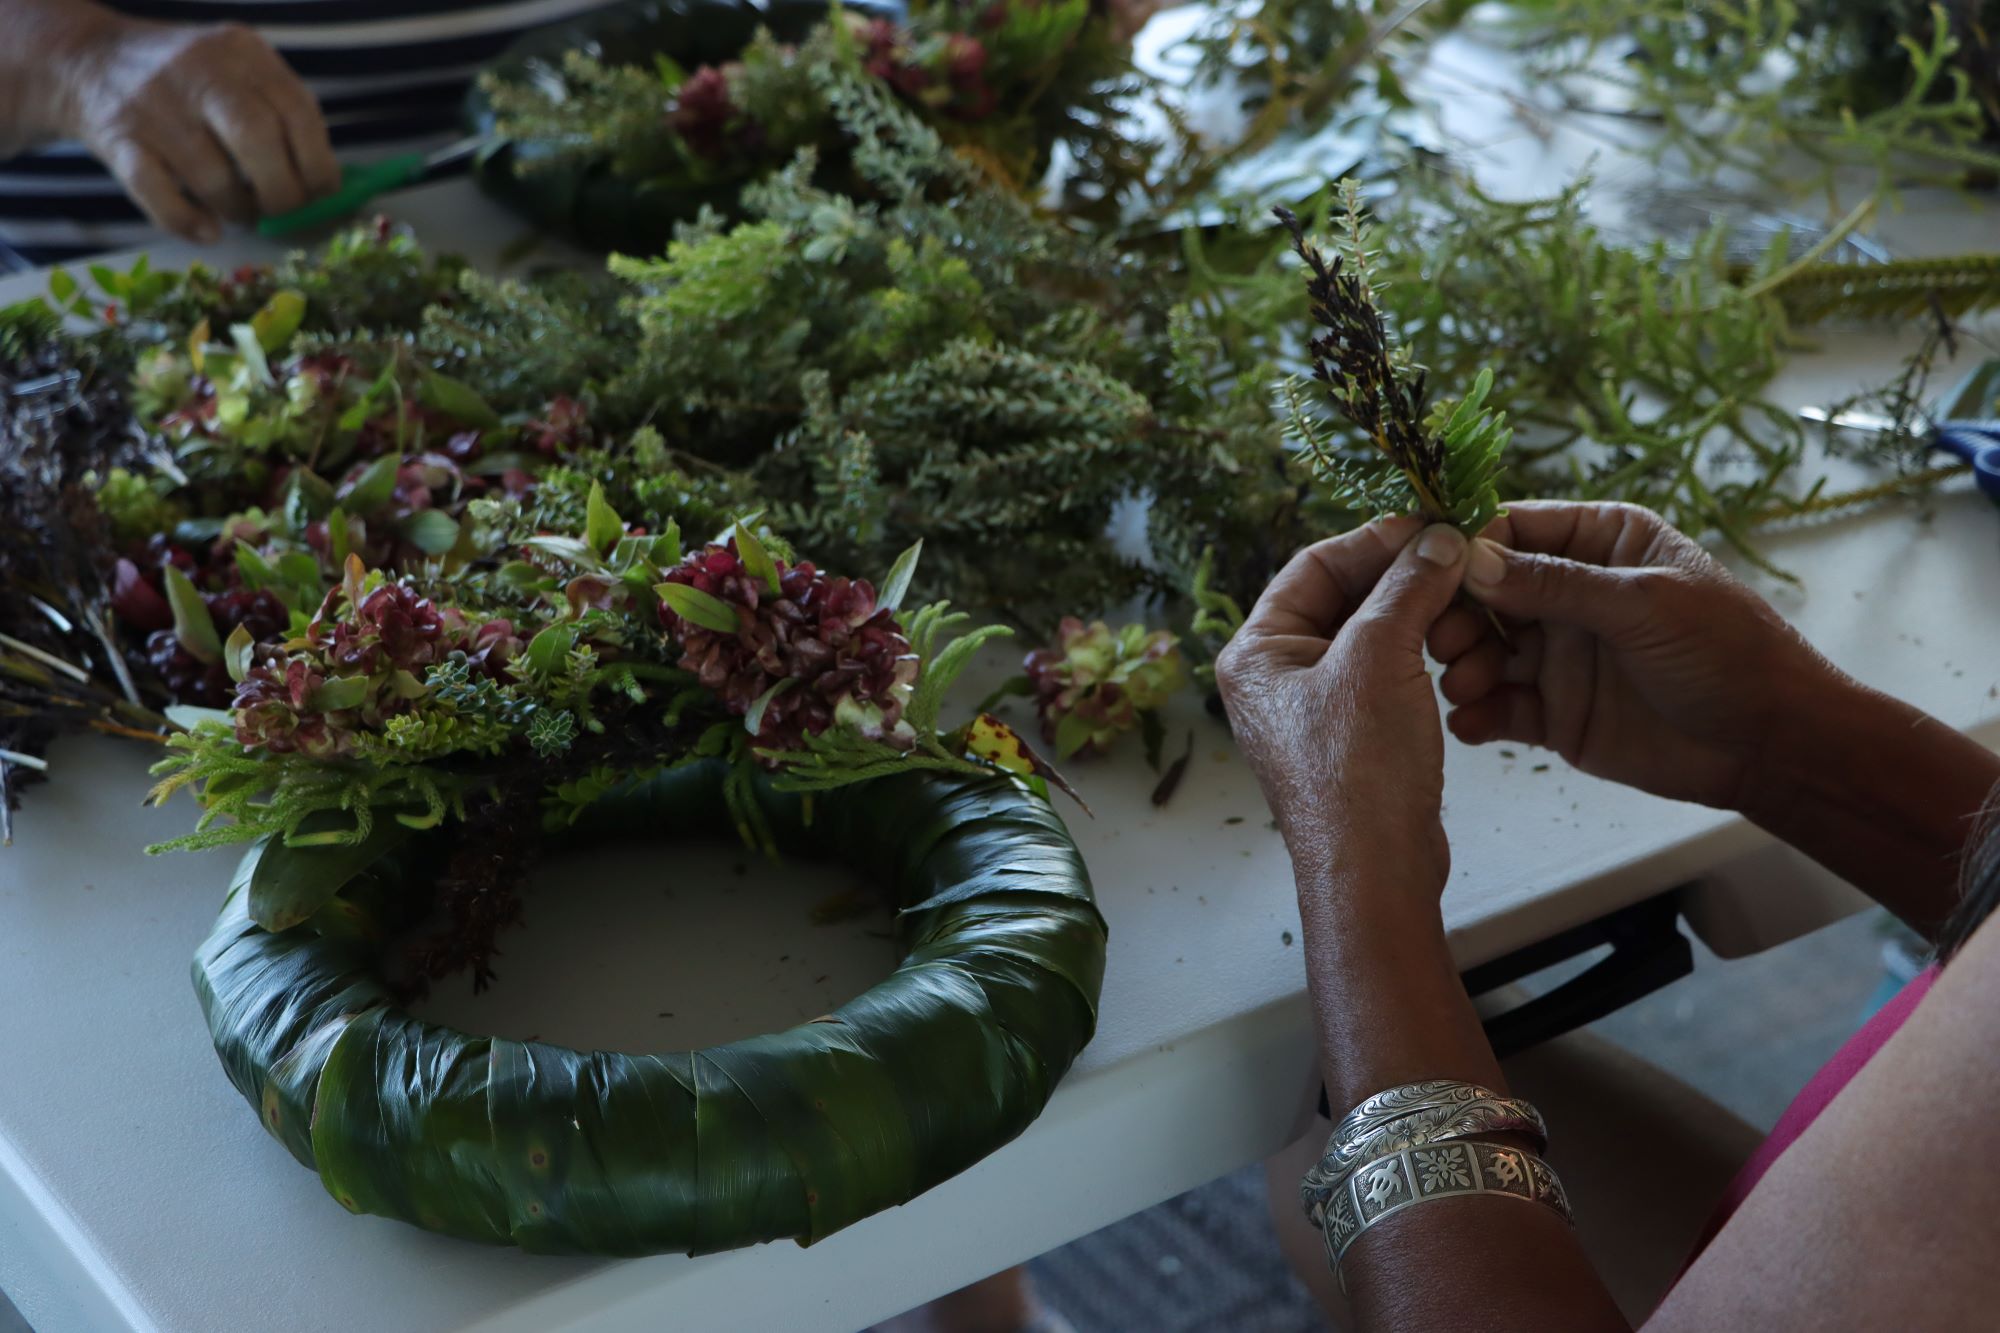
(1628, 651)
(201, 123)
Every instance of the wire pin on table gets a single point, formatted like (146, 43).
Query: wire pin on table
(365, 181)
(1967, 426)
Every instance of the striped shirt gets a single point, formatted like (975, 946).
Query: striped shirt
(390, 76)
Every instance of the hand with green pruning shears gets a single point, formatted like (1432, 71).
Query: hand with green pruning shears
(365, 181)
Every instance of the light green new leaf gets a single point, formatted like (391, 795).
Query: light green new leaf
(897, 585)
(549, 649)
(251, 349)
(601, 525)
(1072, 734)
(337, 536)
(374, 487)
(255, 569)
(697, 607)
(363, 407)
(568, 548)
(753, 721)
(757, 561)
(940, 671)
(431, 531)
(280, 318)
(236, 652)
(193, 625)
(188, 716)
(337, 693)
(458, 401)
(666, 549)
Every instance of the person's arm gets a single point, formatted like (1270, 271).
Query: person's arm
(1882, 794)
(1331, 703)
(32, 109)
(199, 123)
(1638, 658)
(1880, 1216)
(1643, 662)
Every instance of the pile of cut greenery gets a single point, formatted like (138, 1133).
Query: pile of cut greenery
(935, 360)
(302, 557)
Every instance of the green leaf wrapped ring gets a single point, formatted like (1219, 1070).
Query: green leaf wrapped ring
(795, 1134)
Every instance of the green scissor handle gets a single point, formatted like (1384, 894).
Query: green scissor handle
(358, 184)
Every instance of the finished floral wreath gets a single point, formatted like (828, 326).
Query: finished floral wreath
(402, 684)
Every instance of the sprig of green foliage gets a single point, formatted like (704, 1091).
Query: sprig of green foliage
(246, 795)
(1634, 372)
(1443, 461)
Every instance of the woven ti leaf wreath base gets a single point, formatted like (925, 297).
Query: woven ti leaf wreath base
(795, 1134)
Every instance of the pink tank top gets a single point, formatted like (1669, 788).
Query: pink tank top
(1816, 1095)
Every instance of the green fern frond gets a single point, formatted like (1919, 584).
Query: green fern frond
(246, 795)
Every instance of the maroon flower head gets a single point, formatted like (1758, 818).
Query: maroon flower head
(274, 710)
(392, 629)
(703, 111)
(492, 646)
(829, 652)
(563, 427)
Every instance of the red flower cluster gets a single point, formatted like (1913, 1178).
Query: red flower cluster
(703, 114)
(946, 74)
(392, 629)
(837, 655)
(562, 428)
(275, 709)
(387, 642)
(1093, 682)
(190, 680)
(139, 600)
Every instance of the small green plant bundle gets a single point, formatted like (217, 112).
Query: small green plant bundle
(1443, 462)
(1641, 372)
(1094, 684)
(1002, 81)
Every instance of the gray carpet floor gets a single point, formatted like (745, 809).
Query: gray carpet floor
(1748, 1032)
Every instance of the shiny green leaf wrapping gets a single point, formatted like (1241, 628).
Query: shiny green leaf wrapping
(791, 1134)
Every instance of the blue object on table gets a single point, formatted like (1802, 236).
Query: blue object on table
(1967, 424)
(1978, 443)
